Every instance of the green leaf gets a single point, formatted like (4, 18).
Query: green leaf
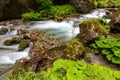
(116, 51)
(74, 74)
(117, 75)
(109, 57)
(105, 51)
(116, 60)
(94, 46)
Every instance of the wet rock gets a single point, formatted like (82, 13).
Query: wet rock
(89, 30)
(25, 34)
(115, 22)
(22, 31)
(82, 6)
(3, 31)
(11, 9)
(14, 40)
(44, 43)
(23, 44)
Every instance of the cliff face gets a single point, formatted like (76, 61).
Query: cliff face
(11, 9)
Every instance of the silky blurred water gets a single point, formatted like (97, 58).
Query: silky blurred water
(65, 30)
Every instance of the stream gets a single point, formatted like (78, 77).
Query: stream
(65, 30)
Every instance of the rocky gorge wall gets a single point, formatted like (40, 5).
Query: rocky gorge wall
(11, 9)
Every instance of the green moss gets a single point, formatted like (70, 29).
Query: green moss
(110, 47)
(94, 24)
(14, 40)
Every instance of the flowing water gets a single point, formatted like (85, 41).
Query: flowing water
(64, 30)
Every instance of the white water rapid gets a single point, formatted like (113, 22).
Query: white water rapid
(64, 30)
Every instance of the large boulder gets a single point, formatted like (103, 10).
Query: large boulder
(90, 29)
(11, 9)
(82, 6)
(115, 22)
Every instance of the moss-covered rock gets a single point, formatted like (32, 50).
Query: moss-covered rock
(14, 40)
(90, 29)
(74, 49)
(23, 44)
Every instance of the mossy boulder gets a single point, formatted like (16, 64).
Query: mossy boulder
(90, 29)
(23, 44)
(14, 40)
(3, 31)
(74, 49)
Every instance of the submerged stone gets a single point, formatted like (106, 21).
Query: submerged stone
(3, 31)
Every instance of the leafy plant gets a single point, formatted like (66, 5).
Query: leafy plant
(78, 70)
(62, 10)
(110, 47)
(67, 70)
(54, 12)
(22, 74)
(31, 16)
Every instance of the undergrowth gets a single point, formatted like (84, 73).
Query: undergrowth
(69, 70)
(46, 10)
